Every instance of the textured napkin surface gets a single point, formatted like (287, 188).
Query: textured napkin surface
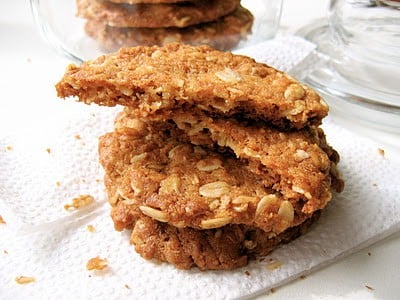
(42, 170)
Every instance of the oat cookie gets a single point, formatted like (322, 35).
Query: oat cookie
(149, 1)
(156, 79)
(223, 34)
(216, 159)
(301, 161)
(155, 15)
(228, 247)
(174, 181)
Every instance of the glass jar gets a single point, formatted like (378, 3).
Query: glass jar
(84, 29)
(366, 33)
(356, 65)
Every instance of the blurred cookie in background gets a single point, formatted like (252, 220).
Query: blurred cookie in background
(126, 23)
(223, 34)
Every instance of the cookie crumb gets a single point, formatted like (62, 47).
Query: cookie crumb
(303, 277)
(247, 273)
(274, 264)
(91, 228)
(381, 152)
(79, 202)
(272, 290)
(9, 148)
(77, 136)
(96, 263)
(369, 253)
(58, 183)
(2, 220)
(48, 150)
(369, 287)
(24, 279)
(127, 286)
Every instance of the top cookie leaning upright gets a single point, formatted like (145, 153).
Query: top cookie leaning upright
(161, 79)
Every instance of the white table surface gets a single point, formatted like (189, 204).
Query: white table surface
(29, 69)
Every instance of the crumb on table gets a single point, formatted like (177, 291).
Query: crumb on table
(369, 287)
(2, 220)
(91, 228)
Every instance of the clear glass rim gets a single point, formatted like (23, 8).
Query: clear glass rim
(48, 34)
(312, 32)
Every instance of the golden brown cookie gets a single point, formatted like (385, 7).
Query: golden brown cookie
(302, 160)
(155, 79)
(223, 34)
(155, 15)
(151, 170)
(149, 1)
(228, 247)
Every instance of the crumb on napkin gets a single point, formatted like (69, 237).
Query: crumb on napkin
(96, 263)
(91, 228)
(24, 279)
(274, 264)
(79, 202)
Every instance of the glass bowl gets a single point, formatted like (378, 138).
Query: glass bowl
(357, 69)
(88, 33)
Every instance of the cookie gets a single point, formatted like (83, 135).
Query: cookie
(223, 34)
(156, 79)
(228, 247)
(149, 1)
(155, 15)
(149, 168)
(302, 160)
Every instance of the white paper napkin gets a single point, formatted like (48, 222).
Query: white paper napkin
(43, 169)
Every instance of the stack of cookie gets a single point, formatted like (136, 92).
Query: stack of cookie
(215, 159)
(116, 23)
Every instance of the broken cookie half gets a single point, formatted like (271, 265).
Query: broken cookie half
(158, 79)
